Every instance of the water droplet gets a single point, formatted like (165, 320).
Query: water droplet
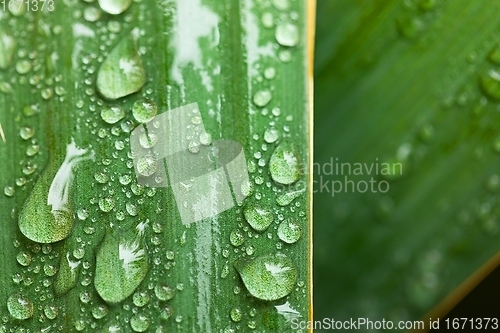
(267, 20)
(121, 265)
(26, 133)
(112, 114)
(144, 110)
(148, 140)
(164, 292)
(114, 7)
(140, 323)
(20, 307)
(270, 73)
(493, 183)
(32, 150)
(92, 14)
(106, 204)
(67, 276)
(23, 66)
(490, 83)
(268, 277)
(140, 298)
(99, 311)
(409, 26)
(9, 190)
(122, 73)
(236, 315)
(284, 164)
(494, 54)
(259, 218)
(24, 258)
(147, 165)
(101, 177)
(287, 34)
(205, 138)
(289, 231)
(280, 4)
(262, 97)
(286, 198)
(236, 238)
(47, 215)
(50, 311)
(271, 135)
(285, 56)
(7, 50)
(49, 270)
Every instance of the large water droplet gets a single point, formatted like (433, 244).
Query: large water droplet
(289, 231)
(20, 307)
(144, 110)
(112, 114)
(114, 7)
(284, 164)
(287, 34)
(122, 73)
(121, 265)
(7, 49)
(47, 215)
(259, 218)
(490, 83)
(268, 277)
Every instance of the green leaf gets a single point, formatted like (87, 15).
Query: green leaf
(133, 134)
(401, 82)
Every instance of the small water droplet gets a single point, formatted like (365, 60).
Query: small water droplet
(147, 165)
(114, 7)
(289, 231)
(490, 83)
(286, 198)
(284, 164)
(122, 73)
(267, 20)
(268, 277)
(262, 97)
(259, 218)
(287, 34)
(205, 138)
(236, 315)
(280, 4)
(92, 14)
(148, 140)
(99, 311)
(26, 133)
(140, 298)
(24, 258)
(270, 73)
(9, 191)
(409, 26)
(140, 323)
(106, 204)
(50, 311)
(144, 110)
(271, 135)
(236, 238)
(23, 66)
(112, 114)
(20, 307)
(7, 50)
(164, 292)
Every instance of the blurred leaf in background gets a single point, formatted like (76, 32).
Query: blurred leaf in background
(414, 84)
(97, 237)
